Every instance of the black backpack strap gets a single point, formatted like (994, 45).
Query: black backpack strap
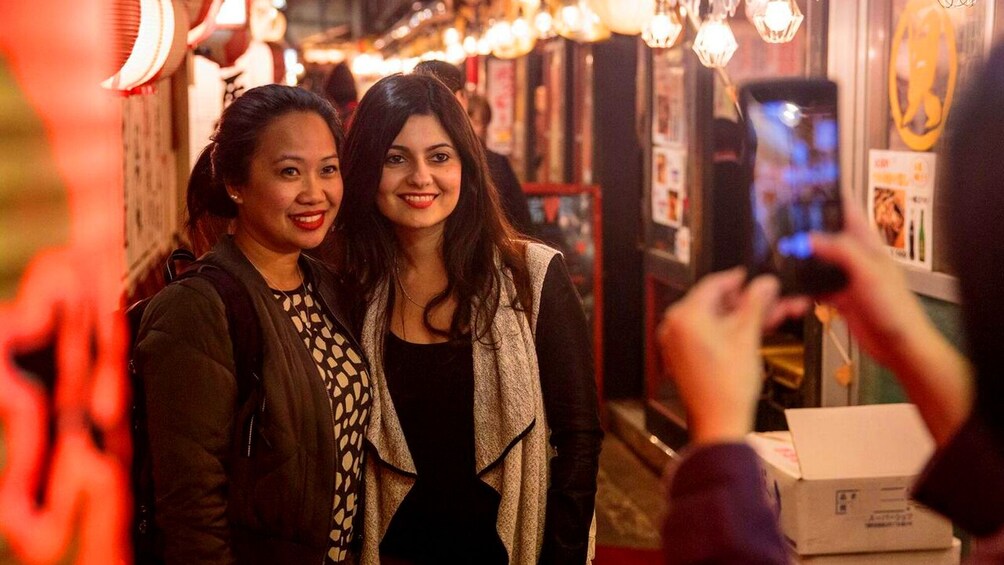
(246, 338)
(171, 266)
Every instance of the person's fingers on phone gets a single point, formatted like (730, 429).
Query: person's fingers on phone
(787, 308)
(842, 250)
(715, 289)
(755, 305)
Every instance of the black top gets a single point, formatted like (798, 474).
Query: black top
(450, 515)
(510, 192)
(432, 386)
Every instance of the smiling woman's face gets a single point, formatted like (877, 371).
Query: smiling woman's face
(420, 183)
(294, 187)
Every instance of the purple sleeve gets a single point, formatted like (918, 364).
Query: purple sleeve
(718, 512)
(965, 479)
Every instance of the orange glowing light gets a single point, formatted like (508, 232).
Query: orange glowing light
(68, 297)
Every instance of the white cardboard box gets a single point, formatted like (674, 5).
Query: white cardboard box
(841, 480)
(947, 556)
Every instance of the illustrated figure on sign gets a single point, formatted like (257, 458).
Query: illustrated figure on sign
(923, 40)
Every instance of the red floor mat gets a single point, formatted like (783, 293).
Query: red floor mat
(627, 556)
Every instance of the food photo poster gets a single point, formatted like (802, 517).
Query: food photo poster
(900, 200)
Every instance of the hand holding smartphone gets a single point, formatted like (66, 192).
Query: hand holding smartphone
(793, 174)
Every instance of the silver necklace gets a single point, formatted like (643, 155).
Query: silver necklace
(292, 304)
(400, 283)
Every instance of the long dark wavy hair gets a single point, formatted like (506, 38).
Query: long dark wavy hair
(475, 234)
(227, 158)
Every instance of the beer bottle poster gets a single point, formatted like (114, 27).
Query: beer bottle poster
(900, 202)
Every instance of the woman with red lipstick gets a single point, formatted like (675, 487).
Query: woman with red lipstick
(484, 441)
(284, 488)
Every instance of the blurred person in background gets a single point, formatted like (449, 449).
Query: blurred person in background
(513, 200)
(340, 90)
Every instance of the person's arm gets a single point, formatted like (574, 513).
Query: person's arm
(887, 320)
(717, 511)
(184, 357)
(965, 479)
(567, 378)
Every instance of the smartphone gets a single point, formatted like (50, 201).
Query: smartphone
(793, 174)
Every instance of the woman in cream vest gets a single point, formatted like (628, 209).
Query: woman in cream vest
(484, 437)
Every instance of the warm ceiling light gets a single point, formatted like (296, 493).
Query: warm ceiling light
(715, 43)
(664, 28)
(515, 39)
(544, 24)
(484, 45)
(451, 36)
(578, 22)
(777, 21)
(471, 45)
(625, 16)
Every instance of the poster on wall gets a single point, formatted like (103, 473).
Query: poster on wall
(668, 116)
(669, 168)
(501, 95)
(900, 197)
(566, 222)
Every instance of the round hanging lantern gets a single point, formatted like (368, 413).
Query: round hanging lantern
(715, 43)
(151, 39)
(514, 39)
(577, 21)
(624, 16)
(664, 29)
(777, 21)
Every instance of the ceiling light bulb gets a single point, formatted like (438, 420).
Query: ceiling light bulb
(544, 23)
(571, 17)
(662, 30)
(521, 29)
(471, 45)
(777, 15)
(484, 45)
(451, 36)
(715, 43)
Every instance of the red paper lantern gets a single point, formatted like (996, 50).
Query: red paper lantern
(151, 37)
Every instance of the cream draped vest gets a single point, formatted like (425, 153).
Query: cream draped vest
(511, 452)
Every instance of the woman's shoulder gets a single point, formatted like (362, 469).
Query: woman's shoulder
(185, 304)
(539, 256)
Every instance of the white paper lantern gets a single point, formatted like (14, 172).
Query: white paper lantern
(624, 16)
(577, 21)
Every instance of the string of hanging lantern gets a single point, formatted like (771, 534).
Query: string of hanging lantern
(661, 22)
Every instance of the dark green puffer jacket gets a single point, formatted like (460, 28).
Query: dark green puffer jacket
(214, 504)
